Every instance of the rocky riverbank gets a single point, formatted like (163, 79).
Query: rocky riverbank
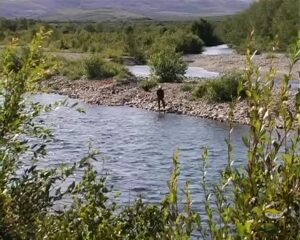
(111, 93)
(107, 92)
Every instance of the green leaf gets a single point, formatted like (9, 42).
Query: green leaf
(273, 213)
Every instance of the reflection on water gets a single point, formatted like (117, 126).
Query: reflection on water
(138, 146)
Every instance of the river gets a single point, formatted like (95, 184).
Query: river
(217, 50)
(137, 146)
(191, 72)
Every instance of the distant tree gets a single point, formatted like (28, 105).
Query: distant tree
(132, 47)
(99, 27)
(286, 22)
(189, 43)
(167, 65)
(204, 30)
(2, 35)
(7, 24)
(90, 28)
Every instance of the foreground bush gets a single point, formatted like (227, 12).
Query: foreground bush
(262, 200)
(223, 89)
(167, 65)
(259, 201)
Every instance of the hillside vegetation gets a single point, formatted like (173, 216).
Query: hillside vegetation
(113, 40)
(273, 21)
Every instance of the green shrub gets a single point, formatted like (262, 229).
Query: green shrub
(92, 68)
(205, 31)
(187, 87)
(147, 84)
(96, 67)
(72, 69)
(223, 89)
(187, 43)
(167, 65)
(200, 90)
(123, 75)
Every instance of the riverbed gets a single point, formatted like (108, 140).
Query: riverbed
(137, 146)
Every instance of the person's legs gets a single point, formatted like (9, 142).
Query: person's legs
(164, 104)
(158, 100)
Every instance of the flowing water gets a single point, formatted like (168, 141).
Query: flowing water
(217, 50)
(193, 72)
(138, 145)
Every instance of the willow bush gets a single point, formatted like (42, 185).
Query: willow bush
(167, 65)
(259, 201)
(92, 67)
(147, 84)
(262, 200)
(222, 89)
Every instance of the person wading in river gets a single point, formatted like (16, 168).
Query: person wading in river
(160, 97)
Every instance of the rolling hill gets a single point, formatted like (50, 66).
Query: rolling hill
(80, 9)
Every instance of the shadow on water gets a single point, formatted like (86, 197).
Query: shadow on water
(161, 115)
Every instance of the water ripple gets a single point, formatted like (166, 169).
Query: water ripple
(138, 146)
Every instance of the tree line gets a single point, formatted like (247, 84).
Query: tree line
(274, 21)
(113, 39)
